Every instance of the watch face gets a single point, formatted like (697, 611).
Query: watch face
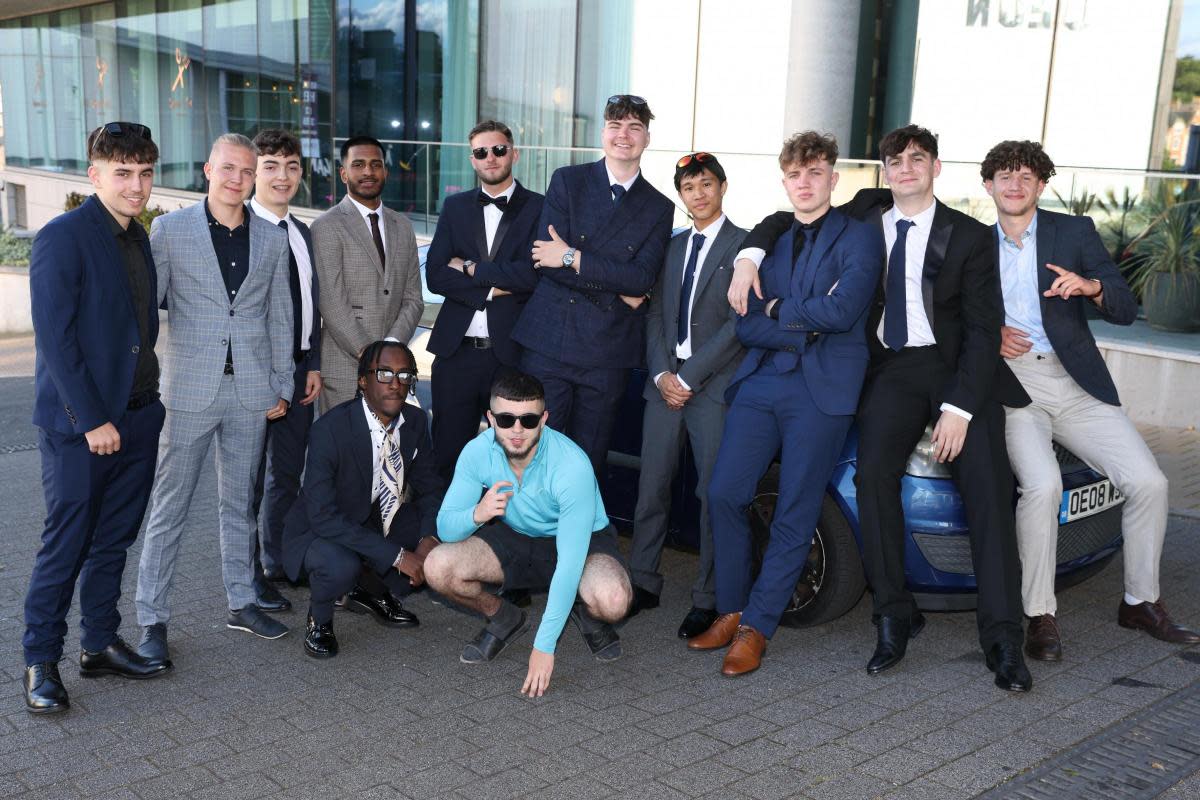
(568, 258)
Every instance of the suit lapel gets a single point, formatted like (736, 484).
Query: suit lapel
(515, 204)
(600, 196)
(113, 253)
(359, 230)
(391, 245)
(831, 229)
(673, 283)
(935, 255)
(203, 241)
(477, 230)
(360, 441)
(1045, 246)
(716, 256)
(630, 204)
(256, 270)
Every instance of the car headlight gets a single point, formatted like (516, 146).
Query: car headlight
(922, 463)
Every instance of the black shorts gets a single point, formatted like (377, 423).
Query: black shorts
(528, 562)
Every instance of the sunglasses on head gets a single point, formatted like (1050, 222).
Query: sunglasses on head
(506, 420)
(386, 376)
(127, 129)
(498, 150)
(632, 99)
(699, 158)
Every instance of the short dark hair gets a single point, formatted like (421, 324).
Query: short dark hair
(626, 106)
(277, 142)
(355, 141)
(897, 141)
(807, 146)
(519, 387)
(1012, 155)
(696, 166)
(490, 126)
(372, 352)
(132, 146)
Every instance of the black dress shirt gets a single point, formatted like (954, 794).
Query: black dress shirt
(129, 244)
(232, 246)
(798, 232)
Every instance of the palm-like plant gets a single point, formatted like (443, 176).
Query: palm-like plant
(1170, 244)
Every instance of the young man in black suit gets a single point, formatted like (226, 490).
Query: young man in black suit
(1052, 267)
(934, 337)
(367, 514)
(479, 261)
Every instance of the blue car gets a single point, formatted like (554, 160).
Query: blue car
(937, 550)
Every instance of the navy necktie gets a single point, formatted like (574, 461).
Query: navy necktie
(895, 305)
(618, 191)
(685, 291)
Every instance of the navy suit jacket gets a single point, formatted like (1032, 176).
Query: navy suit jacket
(579, 318)
(311, 362)
(84, 321)
(335, 501)
(507, 266)
(1073, 244)
(822, 314)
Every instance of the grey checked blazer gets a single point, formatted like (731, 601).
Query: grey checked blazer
(361, 301)
(202, 321)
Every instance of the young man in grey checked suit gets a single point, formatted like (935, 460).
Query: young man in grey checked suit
(228, 369)
(366, 260)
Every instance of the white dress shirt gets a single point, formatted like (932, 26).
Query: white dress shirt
(920, 334)
(365, 212)
(683, 350)
(377, 434)
(491, 223)
(303, 267)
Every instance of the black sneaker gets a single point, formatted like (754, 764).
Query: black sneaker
(601, 638)
(253, 620)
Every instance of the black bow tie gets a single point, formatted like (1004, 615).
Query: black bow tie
(500, 202)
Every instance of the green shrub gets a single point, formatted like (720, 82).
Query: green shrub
(15, 250)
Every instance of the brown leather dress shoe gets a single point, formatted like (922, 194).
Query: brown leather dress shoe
(1042, 641)
(1154, 620)
(745, 654)
(718, 635)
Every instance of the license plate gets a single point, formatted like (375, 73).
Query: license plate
(1084, 501)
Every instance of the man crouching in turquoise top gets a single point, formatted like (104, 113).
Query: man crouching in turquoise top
(540, 524)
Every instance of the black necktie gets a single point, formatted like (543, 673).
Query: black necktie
(375, 234)
(500, 202)
(618, 191)
(685, 291)
(895, 305)
(294, 286)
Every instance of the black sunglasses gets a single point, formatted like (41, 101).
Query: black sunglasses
(632, 99)
(498, 150)
(386, 376)
(127, 129)
(506, 420)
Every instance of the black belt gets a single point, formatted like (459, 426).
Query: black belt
(228, 367)
(141, 400)
(478, 342)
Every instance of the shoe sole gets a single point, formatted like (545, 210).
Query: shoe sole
(732, 675)
(1043, 656)
(321, 656)
(279, 610)
(58, 709)
(512, 637)
(609, 653)
(233, 627)
(105, 673)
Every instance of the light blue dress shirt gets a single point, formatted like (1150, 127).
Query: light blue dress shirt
(1019, 283)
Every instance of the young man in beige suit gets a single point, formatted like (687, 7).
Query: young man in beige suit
(367, 264)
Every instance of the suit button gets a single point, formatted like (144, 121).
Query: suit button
(136, 349)
(224, 341)
(572, 300)
(231, 312)
(385, 291)
(582, 236)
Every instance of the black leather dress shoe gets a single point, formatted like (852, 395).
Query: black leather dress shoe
(892, 642)
(601, 638)
(270, 599)
(319, 641)
(643, 599)
(44, 690)
(487, 645)
(697, 621)
(153, 645)
(386, 610)
(118, 659)
(1005, 659)
(276, 575)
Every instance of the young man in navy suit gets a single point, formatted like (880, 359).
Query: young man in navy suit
(601, 241)
(367, 514)
(796, 390)
(275, 184)
(95, 316)
(479, 261)
(1052, 267)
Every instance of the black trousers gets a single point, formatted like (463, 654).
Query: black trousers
(461, 387)
(902, 395)
(279, 474)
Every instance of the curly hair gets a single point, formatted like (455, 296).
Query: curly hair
(1012, 155)
(807, 146)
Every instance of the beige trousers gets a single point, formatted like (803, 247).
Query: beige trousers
(1107, 441)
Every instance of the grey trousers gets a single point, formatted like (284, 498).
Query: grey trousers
(1107, 440)
(703, 420)
(182, 449)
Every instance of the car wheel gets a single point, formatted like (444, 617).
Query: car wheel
(832, 580)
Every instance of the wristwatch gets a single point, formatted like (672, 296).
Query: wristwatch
(569, 257)
(468, 266)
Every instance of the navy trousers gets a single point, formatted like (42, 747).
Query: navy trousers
(772, 414)
(582, 401)
(279, 476)
(94, 508)
(461, 387)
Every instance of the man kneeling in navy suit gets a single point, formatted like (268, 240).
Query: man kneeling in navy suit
(367, 513)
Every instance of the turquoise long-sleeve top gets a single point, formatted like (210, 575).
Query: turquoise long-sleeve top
(557, 496)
